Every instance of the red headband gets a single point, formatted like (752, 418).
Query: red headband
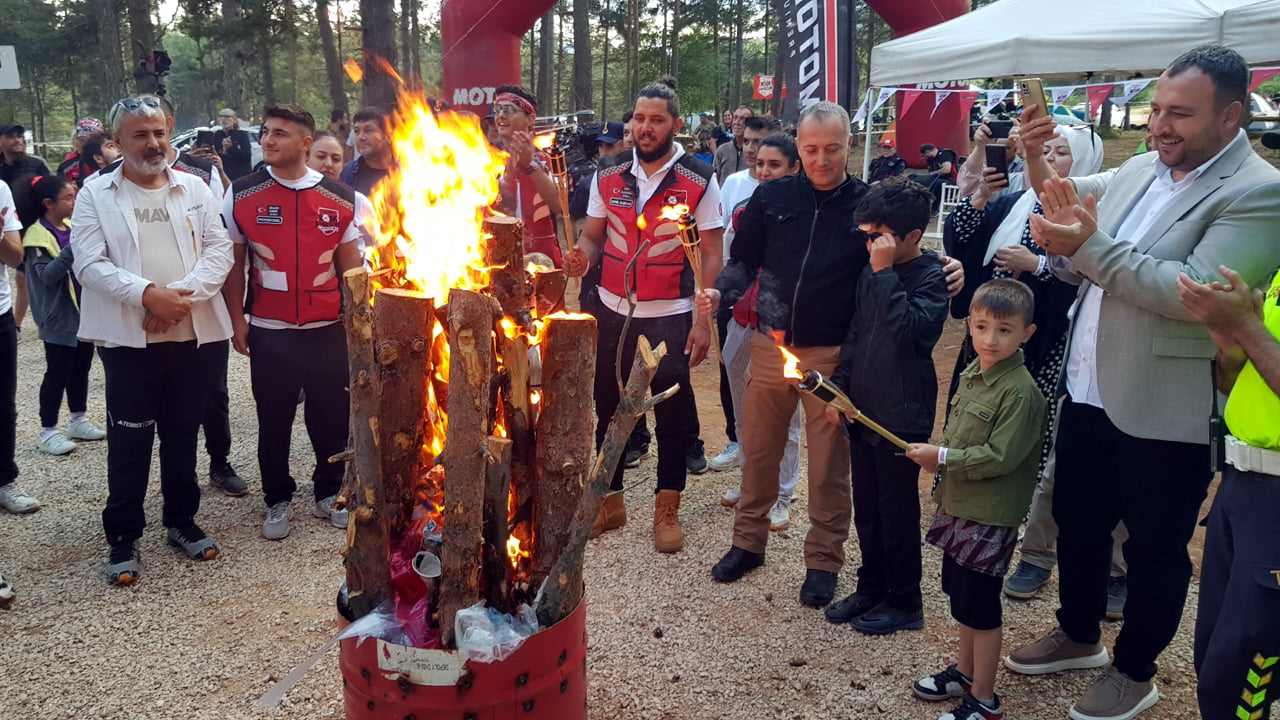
(516, 100)
(36, 179)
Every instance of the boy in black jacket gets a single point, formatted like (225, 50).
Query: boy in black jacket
(886, 367)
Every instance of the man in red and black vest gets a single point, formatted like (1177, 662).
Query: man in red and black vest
(528, 191)
(623, 213)
(294, 232)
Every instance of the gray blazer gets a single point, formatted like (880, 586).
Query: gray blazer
(1153, 361)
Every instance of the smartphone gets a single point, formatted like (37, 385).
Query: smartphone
(204, 138)
(1032, 92)
(998, 159)
(999, 128)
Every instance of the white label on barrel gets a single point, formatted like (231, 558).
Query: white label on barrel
(424, 667)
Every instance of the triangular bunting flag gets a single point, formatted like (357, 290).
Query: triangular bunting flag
(1130, 88)
(1060, 94)
(938, 97)
(862, 109)
(909, 98)
(1098, 94)
(994, 98)
(1261, 75)
(885, 94)
(967, 99)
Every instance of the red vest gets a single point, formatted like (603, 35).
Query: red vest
(662, 272)
(295, 233)
(539, 223)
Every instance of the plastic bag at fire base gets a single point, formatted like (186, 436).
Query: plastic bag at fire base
(486, 635)
(382, 624)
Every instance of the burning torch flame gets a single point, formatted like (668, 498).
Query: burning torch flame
(544, 141)
(790, 365)
(674, 213)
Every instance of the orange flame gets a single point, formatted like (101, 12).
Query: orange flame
(544, 141)
(354, 71)
(674, 213)
(790, 365)
(514, 552)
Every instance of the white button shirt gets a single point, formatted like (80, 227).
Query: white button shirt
(1082, 358)
(104, 238)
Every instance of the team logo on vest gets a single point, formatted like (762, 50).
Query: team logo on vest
(676, 197)
(327, 220)
(623, 198)
(270, 215)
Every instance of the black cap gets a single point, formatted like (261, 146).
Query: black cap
(12, 130)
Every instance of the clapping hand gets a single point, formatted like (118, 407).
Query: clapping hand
(1066, 224)
(1223, 308)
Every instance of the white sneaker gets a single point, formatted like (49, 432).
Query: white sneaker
(55, 443)
(81, 429)
(728, 459)
(324, 509)
(6, 593)
(731, 496)
(13, 499)
(780, 515)
(276, 526)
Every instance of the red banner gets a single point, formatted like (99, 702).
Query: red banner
(967, 99)
(1098, 94)
(762, 88)
(908, 99)
(1261, 76)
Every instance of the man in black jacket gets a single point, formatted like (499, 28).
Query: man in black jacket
(232, 145)
(797, 234)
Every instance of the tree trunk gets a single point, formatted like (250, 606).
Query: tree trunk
(332, 65)
(111, 70)
(235, 54)
(377, 35)
(406, 53)
(291, 29)
(471, 319)
(604, 71)
(546, 44)
(415, 37)
(267, 63)
(582, 65)
(675, 38)
(142, 36)
(739, 20)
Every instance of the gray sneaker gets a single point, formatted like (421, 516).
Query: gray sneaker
(1117, 593)
(1053, 653)
(6, 593)
(277, 525)
(13, 499)
(1115, 696)
(1026, 581)
(324, 509)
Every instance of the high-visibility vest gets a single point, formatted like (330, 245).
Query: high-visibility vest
(1253, 408)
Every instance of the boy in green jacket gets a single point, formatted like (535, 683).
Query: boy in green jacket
(987, 467)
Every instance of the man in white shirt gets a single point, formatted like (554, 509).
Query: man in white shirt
(295, 234)
(12, 497)
(1132, 433)
(624, 212)
(152, 254)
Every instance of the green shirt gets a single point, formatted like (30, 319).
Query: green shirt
(995, 428)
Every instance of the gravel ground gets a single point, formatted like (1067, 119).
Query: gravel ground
(204, 640)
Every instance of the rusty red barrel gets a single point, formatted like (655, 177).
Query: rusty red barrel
(546, 678)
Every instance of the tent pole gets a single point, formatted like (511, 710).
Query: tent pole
(866, 146)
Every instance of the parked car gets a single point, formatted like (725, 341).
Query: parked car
(1259, 105)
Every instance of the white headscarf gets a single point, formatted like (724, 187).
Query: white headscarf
(1086, 159)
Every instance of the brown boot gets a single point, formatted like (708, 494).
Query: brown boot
(667, 535)
(613, 515)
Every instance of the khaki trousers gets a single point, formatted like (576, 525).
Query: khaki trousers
(769, 401)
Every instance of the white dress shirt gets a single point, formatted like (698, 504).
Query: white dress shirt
(11, 224)
(1082, 358)
(104, 237)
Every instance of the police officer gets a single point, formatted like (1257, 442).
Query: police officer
(1237, 647)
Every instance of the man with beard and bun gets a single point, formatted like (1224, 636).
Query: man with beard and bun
(528, 191)
(624, 212)
(797, 236)
(151, 253)
(295, 232)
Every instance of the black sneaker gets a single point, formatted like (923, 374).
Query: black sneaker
(819, 588)
(190, 539)
(885, 619)
(736, 563)
(950, 683)
(851, 607)
(224, 478)
(123, 564)
(696, 460)
(970, 708)
(632, 456)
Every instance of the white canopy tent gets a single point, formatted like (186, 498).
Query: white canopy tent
(1053, 37)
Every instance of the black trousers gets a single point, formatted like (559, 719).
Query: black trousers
(66, 370)
(157, 390)
(217, 416)
(8, 398)
(282, 363)
(726, 397)
(934, 184)
(672, 415)
(1156, 487)
(886, 515)
(1238, 620)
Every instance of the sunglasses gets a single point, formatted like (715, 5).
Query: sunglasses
(133, 103)
(505, 109)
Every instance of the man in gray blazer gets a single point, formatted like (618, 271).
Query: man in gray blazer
(1133, 434)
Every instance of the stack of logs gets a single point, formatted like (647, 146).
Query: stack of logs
(540, 483)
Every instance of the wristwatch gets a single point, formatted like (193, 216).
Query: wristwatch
(530, 169)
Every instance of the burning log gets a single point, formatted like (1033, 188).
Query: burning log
(368, 551)
(402, 320)
(502, 253)
(471, 357)
(497, 494)
(548, 291)
(562, 590)
(566, 432)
